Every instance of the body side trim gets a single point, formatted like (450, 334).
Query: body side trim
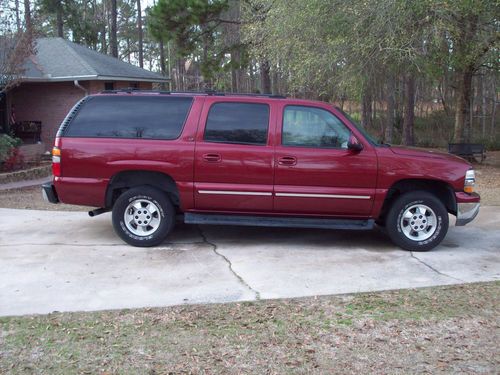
(335, 196)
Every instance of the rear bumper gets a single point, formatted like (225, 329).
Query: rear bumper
(467, 208)
(49, 193)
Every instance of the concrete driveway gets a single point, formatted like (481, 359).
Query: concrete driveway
(67, 261)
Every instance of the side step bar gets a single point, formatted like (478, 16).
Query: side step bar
(269, 221)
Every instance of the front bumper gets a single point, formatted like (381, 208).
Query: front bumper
(49, 193)
(467, 209)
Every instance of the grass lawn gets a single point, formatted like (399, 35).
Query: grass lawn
(443, 329)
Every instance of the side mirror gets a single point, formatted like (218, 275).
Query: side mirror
(353, 144)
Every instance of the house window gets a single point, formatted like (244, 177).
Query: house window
(134, 85)
(109, 85)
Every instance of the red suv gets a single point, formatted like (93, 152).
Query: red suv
(249, 160)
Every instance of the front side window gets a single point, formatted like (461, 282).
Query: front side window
(313, 127)
(241, 123)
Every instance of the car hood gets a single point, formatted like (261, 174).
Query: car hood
(422, 152)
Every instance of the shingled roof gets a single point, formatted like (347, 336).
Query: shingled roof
(58, 59)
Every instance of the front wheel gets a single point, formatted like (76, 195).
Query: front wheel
(417, 221)
(143, 216)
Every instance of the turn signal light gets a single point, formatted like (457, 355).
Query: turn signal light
(470, 181)
(56, 162)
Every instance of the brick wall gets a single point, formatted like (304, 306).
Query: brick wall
(45, 102)
(50, 102)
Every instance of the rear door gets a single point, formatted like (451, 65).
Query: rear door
(315, 172)
(233, 169)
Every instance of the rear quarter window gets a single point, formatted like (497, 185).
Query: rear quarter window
(130, 117)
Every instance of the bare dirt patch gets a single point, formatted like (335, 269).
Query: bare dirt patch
(453, 329)
(488, 179)
(31, 198)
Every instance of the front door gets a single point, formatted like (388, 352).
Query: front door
(315, 172)
(234, 157)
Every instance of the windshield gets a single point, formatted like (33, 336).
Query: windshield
(360, 128)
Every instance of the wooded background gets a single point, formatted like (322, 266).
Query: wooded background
(414, 72)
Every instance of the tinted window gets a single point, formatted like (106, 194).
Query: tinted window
(313, 127)
(130, 117)
(244, 123)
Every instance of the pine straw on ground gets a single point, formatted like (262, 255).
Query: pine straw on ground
(452, 329)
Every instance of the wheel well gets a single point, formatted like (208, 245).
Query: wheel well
(123, 181)
(440, 189)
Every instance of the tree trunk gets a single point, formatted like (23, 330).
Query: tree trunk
(232, 40)
(275, 82)
(163, 68)
(104, 47)
(366, 108)
(493, 108)
(409, 116)
(59, 20)
(113, 37)
(463, 100)
(18, 18)
(181, 71)
(27, 17)
(483, 108)
(236, 76)
(128, 50)
(265, 77)
(139, 27)
(206, 68)
(389, 126)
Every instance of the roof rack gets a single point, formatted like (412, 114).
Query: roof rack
(131, 90)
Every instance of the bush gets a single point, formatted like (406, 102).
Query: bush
(10, 157)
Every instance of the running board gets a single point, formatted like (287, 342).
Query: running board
(270, 221)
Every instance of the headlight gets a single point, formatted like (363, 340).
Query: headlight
(470, 181)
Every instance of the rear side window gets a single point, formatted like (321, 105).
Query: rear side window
(130, 117)
(243, 123)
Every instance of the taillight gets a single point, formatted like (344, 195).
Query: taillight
(56, 162)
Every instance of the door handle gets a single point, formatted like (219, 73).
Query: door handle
(212, 158)
(287, 160)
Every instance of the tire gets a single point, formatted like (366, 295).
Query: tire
(417, 221)
(143, 216)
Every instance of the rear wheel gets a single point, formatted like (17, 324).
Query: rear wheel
(417, 221)
(143, 216)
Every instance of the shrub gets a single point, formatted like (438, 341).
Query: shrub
(10, 157)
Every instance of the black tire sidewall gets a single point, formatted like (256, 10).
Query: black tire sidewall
(393, 223)
(153, 195)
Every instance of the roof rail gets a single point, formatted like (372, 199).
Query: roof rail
(218, 93)
(131, 90)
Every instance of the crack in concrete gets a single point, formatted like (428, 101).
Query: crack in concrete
(434, 269)
(230, 265)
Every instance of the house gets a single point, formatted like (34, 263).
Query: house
(58, 75)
